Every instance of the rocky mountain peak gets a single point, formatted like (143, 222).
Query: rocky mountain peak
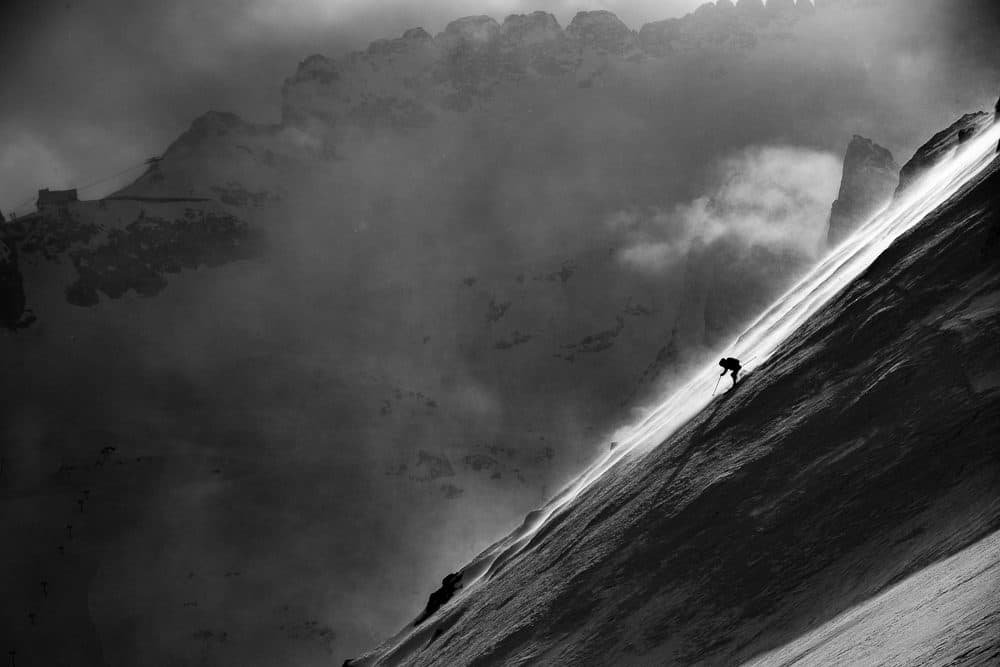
(413, 39)
(211, 124)
(601, 30)
(470, 31)
(869, 176)
(530, 29)
(316, 68)
(805, 7)
(405, 82)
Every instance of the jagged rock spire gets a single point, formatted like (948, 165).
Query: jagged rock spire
(869, 178)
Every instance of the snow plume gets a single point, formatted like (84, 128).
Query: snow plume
(775, 196)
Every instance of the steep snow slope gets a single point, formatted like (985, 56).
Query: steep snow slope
(858, 453)
(965, 593)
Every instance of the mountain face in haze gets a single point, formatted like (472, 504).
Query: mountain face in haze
(405, 312)
(414, 81)
(870, 177)
(793, 518)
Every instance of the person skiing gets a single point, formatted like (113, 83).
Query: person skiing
(731, 365)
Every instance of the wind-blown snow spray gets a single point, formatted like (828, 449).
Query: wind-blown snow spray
(759, 341)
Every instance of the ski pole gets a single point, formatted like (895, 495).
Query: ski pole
(717, 385)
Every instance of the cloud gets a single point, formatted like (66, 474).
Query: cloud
(775, 196)
(26, 159)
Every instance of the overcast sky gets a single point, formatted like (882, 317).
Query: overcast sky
(94, 87)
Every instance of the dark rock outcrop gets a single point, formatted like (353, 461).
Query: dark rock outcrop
(411, 39)
(14, 313)
(603, 31)
(657, 38)
(470, 32)
(940, 146)
(218, 124)
(710, 26)
(317, 68)
(440, 597)
(527, 30)
(535, 41)
(138, 256)
(869, 177)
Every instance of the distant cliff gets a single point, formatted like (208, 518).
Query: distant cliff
(870, 176)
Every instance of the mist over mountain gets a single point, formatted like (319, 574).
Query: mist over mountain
(341, 335)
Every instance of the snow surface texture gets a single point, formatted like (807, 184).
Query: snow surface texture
(857, 451)
(964, 593)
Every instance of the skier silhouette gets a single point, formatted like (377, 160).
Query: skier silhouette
(730, 365)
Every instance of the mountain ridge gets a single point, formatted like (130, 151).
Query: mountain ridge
(459, 68)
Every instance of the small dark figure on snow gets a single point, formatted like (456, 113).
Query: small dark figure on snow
(732, 366)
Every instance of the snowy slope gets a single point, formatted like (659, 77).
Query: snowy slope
(964, 592)
(857, 453)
